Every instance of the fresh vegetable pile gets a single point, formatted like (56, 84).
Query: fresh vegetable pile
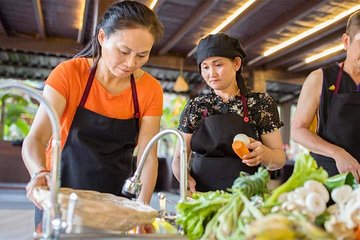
(305, 169)
(309, 205)
(195, 215)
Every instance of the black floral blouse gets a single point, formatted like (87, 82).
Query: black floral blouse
(262, 109)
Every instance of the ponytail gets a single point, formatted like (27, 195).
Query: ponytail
(241, 83)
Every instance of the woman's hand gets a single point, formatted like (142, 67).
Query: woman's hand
(40, 180)
(347, 163)
(191, 184)
(256, 155)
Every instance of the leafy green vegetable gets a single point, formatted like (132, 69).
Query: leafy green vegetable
(224, 224)
(340, 180)
(194, 215)
(305, 169)
(251, 185)
(322, 218)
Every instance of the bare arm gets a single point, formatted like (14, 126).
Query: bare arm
(274, 156)
(149, 128)
(269, 152)
(176, 161)
(307, 106)
(33, 150)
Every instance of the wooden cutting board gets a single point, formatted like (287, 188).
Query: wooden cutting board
(100, 210)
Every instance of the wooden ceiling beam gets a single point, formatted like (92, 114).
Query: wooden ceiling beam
(302, 52)
(317, 64)
(303, 43)
(284, 21)
(249, 13)
(169, 62)
(54, 46)
(69, 48)
(39, 18)
(204, 9)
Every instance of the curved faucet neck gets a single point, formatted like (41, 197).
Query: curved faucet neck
(135, 180)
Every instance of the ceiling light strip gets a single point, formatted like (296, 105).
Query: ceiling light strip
(317, 56)
(232, 16)
(152, 4)
(305, 34)
(311, 31)
(227, 21)
(300, 64)
(324, 53)
(258, 58)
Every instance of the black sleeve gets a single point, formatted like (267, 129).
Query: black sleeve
(190, 117)
(269, 119)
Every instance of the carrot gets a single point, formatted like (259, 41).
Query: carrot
(357, 233)
(240, 148)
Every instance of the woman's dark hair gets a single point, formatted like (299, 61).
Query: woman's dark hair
(122, 15)
(241, 83)
(353, 25)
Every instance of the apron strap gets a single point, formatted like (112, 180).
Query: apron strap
(135, 101)
(338, 79)
(88, 86)
(245, 108)
(337, 86)
(204, 113)
(133, 90)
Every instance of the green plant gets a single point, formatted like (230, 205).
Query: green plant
(172, 110)
(173, 105)
(17, 113)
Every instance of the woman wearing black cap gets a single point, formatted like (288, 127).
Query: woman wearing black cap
(210, 122)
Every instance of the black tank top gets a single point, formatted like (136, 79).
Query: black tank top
(347, 86)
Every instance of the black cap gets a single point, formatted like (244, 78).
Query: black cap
(220, 45)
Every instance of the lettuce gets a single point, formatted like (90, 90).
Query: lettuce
(340, 180)
(194, 215)
(305, 169)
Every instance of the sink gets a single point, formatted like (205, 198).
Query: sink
(81, 232)
(122, 236)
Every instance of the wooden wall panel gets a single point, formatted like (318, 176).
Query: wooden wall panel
(12, 168)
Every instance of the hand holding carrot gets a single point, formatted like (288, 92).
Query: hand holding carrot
(239, 145)
(257, 153)
(242, 145)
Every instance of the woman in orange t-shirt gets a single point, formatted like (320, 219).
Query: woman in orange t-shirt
(107, 106)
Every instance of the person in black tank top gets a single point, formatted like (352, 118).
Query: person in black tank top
(332, 95)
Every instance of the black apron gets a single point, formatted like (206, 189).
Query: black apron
(342, 125)
(98, 151)
(215, 165)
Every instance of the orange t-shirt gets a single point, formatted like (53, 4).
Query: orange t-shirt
(69, 79)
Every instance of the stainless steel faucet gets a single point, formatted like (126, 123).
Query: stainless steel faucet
(53, 224)
(133, 185)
